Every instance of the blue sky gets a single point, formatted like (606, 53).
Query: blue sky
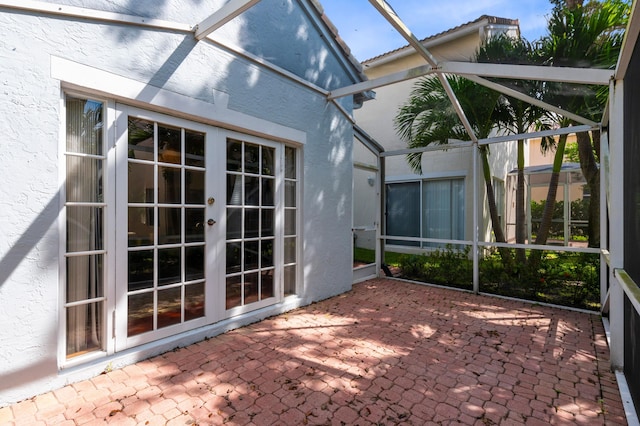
(368, 34)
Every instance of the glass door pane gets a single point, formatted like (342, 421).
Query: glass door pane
(166, 226)
(250, 237)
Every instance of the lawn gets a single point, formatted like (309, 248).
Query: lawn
(363, 255)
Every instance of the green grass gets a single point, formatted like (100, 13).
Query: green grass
(369, 256)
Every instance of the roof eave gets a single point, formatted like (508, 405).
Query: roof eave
(350, 61)
(438, 39)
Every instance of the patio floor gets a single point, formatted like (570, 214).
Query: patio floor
(386, 353)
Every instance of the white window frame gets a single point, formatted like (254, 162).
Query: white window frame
(421, 179)
(108, 235)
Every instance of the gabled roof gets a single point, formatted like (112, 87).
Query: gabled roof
(454, 32)
(336, 36)
(202, 29)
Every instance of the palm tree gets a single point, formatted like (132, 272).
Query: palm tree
(549, 144)
(504, 49)
(428, 117)
(582, 36)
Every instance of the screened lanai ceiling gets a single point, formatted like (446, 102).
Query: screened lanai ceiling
(571, 85)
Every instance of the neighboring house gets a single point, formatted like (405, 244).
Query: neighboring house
(571, 186)
(161, 185)
(436, 204)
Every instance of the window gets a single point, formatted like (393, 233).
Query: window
(253, 206)
(290, 221)
(443, 210)
(403, 212)
(84, 208)
(425, 209)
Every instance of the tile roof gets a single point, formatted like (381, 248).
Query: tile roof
(343, 45)
(491, 20)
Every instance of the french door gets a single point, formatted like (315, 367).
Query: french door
(170, 225)
(196, 233)
(166, 256)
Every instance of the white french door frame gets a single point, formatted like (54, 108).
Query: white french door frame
(278, 224)
(89, 82)
(214, 234)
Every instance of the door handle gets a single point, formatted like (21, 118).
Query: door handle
(211, 222)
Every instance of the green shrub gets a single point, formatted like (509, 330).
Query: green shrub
(561, 278)
(579, 212)
(450, 266)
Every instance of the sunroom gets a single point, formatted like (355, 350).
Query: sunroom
(189, 154)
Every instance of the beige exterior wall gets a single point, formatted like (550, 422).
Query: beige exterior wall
(376, 118)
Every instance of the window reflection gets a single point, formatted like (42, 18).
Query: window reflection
(169, 145)
(169, 225)
(194, 263)
(194, 225)
(193, 301)
(169, 185)
(169, 307)
(194, 149)
(141, 226)
(141, 137)
(194, 187)
(140, 309)
(140, 269)
(140, 188)
(251, 158)
(169, 266)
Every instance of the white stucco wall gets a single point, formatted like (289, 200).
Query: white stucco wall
(30, 117)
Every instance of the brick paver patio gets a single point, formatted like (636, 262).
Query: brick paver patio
(386, 353)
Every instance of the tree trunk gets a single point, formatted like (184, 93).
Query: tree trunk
(493, 211)
(591, 172)
(547, 214)
(549, 205)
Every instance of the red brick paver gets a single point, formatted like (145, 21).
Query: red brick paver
(386, 353)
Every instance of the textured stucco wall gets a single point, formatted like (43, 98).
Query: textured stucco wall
(30, 119)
